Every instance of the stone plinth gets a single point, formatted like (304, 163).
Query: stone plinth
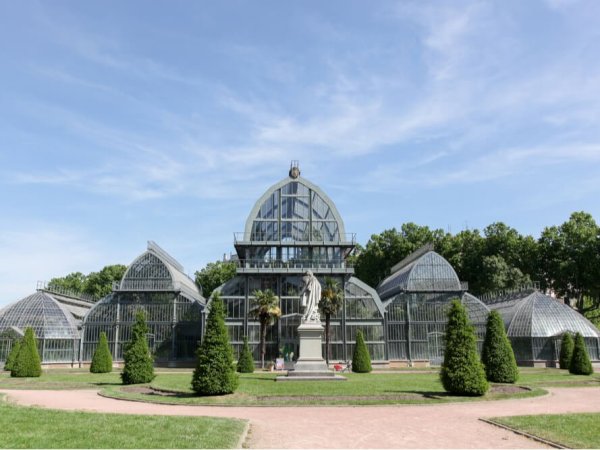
(310, 364)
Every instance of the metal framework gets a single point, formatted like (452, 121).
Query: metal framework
(535, 324)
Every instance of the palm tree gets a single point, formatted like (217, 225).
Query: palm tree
(332, 299)
(266, 310)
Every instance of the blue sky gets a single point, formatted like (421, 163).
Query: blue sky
(122, 122)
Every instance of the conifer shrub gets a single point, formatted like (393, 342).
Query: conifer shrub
(580, 361)
(361, 361)
(497, 355)
(566, 351)
(139, 363)
(27, 362)
(214, 373)
(12, 356)
(462, 372)
(245, 362)
(102, 359)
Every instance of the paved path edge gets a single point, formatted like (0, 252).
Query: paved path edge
(524, 433)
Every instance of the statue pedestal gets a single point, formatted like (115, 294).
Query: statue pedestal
(310, 364)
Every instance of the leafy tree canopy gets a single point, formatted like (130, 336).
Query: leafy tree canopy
(96, 284)
(214, 275)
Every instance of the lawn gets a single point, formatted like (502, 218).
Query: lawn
(569, 430)
(61, 379)
(24, 427)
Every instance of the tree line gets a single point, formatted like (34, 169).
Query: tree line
(565, 258)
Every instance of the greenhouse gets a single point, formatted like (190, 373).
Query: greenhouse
(417, 297)
(292, 228)
(54, 326)
(156, 284)
(535, 324)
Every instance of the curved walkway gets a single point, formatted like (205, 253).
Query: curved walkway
(452, 425)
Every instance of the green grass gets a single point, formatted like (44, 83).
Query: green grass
(570, 430)
(24, 427)
(61, 379)
(556, 378)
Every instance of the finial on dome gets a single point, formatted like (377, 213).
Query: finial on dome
(294, 169)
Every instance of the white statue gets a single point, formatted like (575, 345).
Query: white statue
(310, 296)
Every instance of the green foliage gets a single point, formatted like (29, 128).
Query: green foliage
(27, 362)
(214, 275)
(332, 299)
(245, 363)
(214, 373)
(580, 362)
(95, 284)
(462, 372)
(102, 359)
(566, 351)
(12, 356)
(139, 364)
(497, 355)
(361, 361)
(265, 308)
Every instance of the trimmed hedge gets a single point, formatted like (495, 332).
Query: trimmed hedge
(214, 373)
(12, 356)
(139, 364)
(497, 354)
(462, 372)
(566, 351)
(245, 362)
(27, 362)
(580, 362)
(102, 359)
(361, 361)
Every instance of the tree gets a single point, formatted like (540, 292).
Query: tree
(214, 275)
(462, 372)
(332, 299)
(566, 351)
(497, 355)
(496, 274)
(139, 364)
(361, 361)
(245, 362)
(27, 362)
(102, 359)
(12, 356)
(73, 282)
(214, 373)
(95, 284)
(266, 309)
(580, 362)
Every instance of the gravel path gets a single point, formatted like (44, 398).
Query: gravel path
(421, 426)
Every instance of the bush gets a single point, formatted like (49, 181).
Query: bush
(12, 356)
(139, 364)
(580, 362)
(102, 359)
(27, 362)
(566, 351)
(245, 363)
(214, 373)
(462, 372)
(361, 361)
(497, 355)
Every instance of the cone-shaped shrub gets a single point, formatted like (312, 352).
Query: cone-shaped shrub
(566, 351)
(12, 356)
(214, 374)
(102, 359)
(361, 361)
(245, 363)
(139, 364)
(580, 362)
(27, 362)
(462, 372)
(497, 355)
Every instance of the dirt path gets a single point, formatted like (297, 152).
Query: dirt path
(432, 426)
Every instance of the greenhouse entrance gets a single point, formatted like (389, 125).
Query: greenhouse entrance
(435, 345)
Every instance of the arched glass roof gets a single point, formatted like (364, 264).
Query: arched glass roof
(429, 272)
(539, 315)
(477, 310)
(48, 318)
(156, 270)
(294, 210)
